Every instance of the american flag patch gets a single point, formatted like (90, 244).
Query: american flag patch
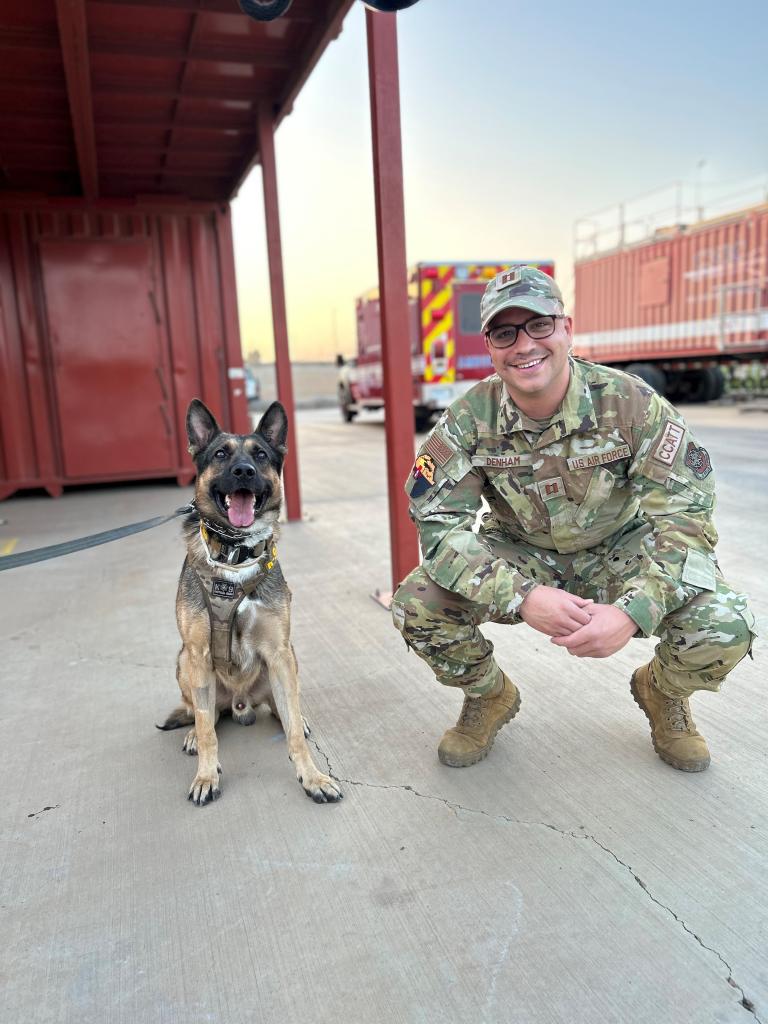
(438, 449)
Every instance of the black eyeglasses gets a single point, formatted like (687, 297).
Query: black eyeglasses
(537, 327)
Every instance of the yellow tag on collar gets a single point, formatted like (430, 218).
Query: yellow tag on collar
(270, 565)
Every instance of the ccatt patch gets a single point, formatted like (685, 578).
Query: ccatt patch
(423, 475)
(698, 461)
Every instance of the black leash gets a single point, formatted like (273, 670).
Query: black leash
(92, 541)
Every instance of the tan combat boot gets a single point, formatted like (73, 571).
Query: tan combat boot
(674, 734)
(480, 719)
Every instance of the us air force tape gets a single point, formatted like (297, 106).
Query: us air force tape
(264, 10)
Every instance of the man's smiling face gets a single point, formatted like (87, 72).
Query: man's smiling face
(535, 371)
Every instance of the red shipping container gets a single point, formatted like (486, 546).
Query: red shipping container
(112, 317)
(691, 298)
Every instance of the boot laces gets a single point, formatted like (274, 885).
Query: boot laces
(472, 712)
(677, 714)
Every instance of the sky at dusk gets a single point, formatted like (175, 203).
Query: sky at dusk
(517, 120)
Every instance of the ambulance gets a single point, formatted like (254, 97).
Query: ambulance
(448, 352)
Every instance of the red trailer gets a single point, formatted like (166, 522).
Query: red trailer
(681, 308)
(448, 353)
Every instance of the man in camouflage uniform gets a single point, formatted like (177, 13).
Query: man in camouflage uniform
(599, 529)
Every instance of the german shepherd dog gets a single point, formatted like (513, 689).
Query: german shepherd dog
(233, 604)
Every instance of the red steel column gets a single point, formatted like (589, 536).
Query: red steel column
(393, 283)
(279, 319)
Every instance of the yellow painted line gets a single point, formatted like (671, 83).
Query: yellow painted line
(8, 546)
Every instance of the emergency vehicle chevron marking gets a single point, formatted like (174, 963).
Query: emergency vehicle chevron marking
(441, 301)
(446, 324)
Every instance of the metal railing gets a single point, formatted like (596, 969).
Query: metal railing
(662, 211)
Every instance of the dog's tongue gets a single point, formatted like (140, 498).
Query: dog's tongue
(240, 509)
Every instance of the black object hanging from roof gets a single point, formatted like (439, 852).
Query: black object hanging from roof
(264, 10)
(268, 10)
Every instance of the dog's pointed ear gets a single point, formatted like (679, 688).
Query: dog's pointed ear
(273, 426)
(201, 427)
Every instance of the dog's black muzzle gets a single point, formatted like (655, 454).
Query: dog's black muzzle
(244, 477)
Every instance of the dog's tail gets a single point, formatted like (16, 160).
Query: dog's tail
(180, 716)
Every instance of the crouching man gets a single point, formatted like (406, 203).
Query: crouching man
(600, 529)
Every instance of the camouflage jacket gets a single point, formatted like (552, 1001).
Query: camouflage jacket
(614, 454)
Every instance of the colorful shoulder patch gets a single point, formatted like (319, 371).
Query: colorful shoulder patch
(698, 461)
(423, 474)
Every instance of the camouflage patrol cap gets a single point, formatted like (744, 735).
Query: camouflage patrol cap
(522, 287)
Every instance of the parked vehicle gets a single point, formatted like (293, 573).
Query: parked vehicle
(346, 388)
(252, 386)
(448, 353)
(681, 309)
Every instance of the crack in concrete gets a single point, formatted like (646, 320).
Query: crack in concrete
(568, 833)
(322, 753)
(744, 1001)
(49, 807)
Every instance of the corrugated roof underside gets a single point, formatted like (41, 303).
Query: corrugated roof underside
(142, 97)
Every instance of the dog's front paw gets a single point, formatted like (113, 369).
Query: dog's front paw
(190, 742)
(205, 787)
(322, 788)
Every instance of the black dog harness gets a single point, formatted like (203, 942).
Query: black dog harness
(223, 596)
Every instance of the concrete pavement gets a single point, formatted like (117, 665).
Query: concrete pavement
(571, 877)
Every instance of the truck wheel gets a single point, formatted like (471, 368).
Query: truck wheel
(705, 385)
(345, 403)
(422, 419)
(651, 374)
(675, 388)
(717, 383)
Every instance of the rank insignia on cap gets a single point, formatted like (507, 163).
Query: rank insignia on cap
(423, 475)
(512, 275)
(698, 461)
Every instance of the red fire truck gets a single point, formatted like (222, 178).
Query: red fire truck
(447, 349)
(681, 309)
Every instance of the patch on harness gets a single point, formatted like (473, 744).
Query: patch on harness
(223, 588)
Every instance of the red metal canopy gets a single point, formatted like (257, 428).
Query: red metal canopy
(109, 100)
(127, 98)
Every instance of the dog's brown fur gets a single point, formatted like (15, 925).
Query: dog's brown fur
(263, 668)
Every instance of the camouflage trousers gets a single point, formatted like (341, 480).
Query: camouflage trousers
(699, 643)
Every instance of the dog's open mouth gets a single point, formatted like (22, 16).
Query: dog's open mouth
(240, 507)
